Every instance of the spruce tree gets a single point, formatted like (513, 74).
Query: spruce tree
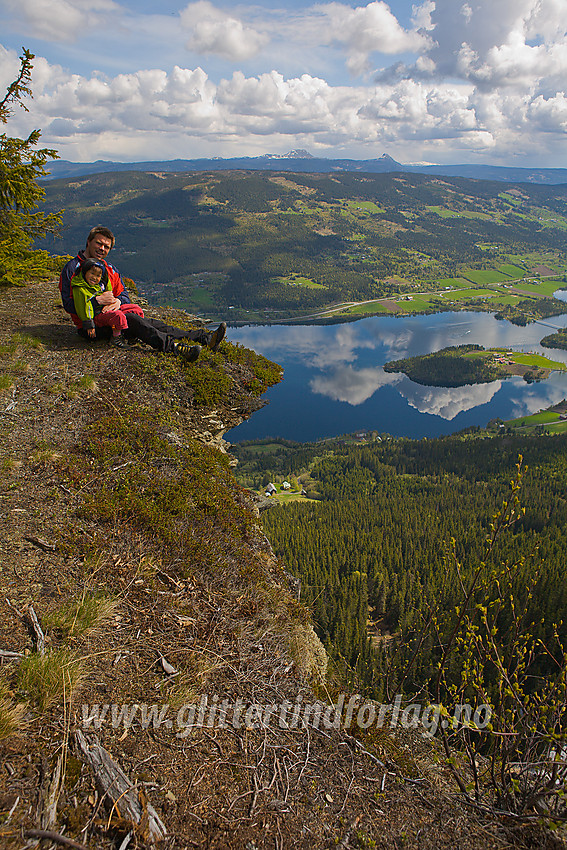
(21, 164)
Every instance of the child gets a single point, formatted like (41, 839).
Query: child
(90, 280)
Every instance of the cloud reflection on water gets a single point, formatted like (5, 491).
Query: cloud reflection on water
(353, 386)
(448, 402)
(334, 381)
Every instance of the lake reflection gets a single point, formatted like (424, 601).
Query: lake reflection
(334, 382)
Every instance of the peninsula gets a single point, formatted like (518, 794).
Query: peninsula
(458, 365)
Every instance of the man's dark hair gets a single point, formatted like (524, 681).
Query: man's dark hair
(103, 231)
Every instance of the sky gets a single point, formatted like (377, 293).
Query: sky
(438, 81)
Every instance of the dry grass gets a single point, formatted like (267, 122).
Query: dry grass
(11, 713)
(307, 652)
(45, 679)
(45, 456)
(82, 616)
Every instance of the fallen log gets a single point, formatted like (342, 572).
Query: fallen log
(121, 797)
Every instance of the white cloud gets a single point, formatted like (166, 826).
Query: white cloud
(305, 110)
(477, 81)
(510, 42)
(421, 15)
(549, 114)
(365, 30)
(63, 20)
(214, 31)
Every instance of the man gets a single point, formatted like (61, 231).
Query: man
(151, 331)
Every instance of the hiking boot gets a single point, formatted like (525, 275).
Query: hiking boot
(118, 342)
(189, 353)
(217, 336)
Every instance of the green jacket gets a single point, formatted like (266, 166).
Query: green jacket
(84, 294)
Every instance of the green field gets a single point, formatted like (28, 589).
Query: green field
(547, 419)
(510, 199)
(452, 281)
(443, 212)
(369, 307)
(462, 294)
(418, 303)
(538, 361)
(512, 271)
(546, 287)
(365, 206)
(298, 280)
(484, 276)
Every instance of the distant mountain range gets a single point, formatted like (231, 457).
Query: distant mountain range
(302, 161)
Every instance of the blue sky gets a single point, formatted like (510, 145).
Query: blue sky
(443, 81)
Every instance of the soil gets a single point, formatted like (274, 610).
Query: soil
(197, 608)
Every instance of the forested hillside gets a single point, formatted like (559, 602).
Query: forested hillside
(372, 554)
(274, 245)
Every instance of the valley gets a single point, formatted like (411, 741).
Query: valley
(273, 247)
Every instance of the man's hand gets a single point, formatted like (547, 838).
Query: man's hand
(111, 308)
(106, 297)
(91, 333)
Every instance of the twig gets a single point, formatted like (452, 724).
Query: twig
(41, 544)
(54, 836)
(362, 750)
(215, 742)
(254, 797)
(11, 812)
(50, 792)
(38, 633)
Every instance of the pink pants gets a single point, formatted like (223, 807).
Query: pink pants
(116, 319)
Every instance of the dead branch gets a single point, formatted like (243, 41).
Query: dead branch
(41, 544)
(10, 656)
(37, 631)
(53, 836)
(50, 792)
(119, 793)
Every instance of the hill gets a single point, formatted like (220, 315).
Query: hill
(275, 246)
(135, 576)
(302, 161)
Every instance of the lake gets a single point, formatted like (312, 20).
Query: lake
(334, 382)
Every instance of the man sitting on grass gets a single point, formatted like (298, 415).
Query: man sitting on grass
(113, 297)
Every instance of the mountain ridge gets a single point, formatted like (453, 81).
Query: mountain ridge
(301, 161)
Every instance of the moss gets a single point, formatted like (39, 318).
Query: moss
(175, 492)
(207, 379)
(134, 431)
(266, 372)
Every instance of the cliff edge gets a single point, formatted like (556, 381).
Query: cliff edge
(160, 682)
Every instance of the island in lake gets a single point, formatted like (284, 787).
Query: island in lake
(458, 365)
